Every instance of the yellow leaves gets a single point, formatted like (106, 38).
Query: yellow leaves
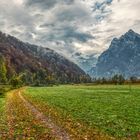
(21, 122)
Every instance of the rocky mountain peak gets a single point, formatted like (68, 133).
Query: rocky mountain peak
(122, 57)
(130, 35)
(131, 32)
(114, 41)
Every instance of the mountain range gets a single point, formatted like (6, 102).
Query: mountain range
(21, 57)
(122, 57)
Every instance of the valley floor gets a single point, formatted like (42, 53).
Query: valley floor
(71, 112)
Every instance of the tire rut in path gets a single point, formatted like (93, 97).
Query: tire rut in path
(55, 130)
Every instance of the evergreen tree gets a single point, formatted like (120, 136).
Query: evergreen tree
(27, 78)
(3, 70)
(121, 79)
(118, 79)
(133, 79)
(16, 81)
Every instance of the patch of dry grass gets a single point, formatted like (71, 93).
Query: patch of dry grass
(21, 122)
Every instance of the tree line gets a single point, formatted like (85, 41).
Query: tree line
(41, 77)
(117, 79)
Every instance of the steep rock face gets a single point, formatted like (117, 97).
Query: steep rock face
(22, 57)
(122, 57)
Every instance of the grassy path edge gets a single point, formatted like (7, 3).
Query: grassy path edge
(56, 131)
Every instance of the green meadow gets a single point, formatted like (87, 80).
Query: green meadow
(3, 125)
(111, 109)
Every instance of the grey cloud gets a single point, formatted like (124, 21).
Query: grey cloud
(64, 25)
(72, 13)
(101, 5)
(72, 34)
(15, 18)
(101, 10)
(67, 34)
(47, 4)
(41, 3)
(46, 25)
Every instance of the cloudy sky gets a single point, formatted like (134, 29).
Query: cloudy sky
(85, 27)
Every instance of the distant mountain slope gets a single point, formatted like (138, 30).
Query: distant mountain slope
(86, 62)
(21, 57)
(123, 57)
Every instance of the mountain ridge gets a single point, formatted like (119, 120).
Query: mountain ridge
(21, 57)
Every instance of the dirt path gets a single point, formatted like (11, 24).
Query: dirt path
(55, 130)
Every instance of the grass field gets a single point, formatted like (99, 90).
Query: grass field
(112, 110)
(3, 125)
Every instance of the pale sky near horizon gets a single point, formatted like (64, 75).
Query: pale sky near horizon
(70, 26)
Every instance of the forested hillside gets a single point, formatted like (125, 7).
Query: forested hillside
(30, 64)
